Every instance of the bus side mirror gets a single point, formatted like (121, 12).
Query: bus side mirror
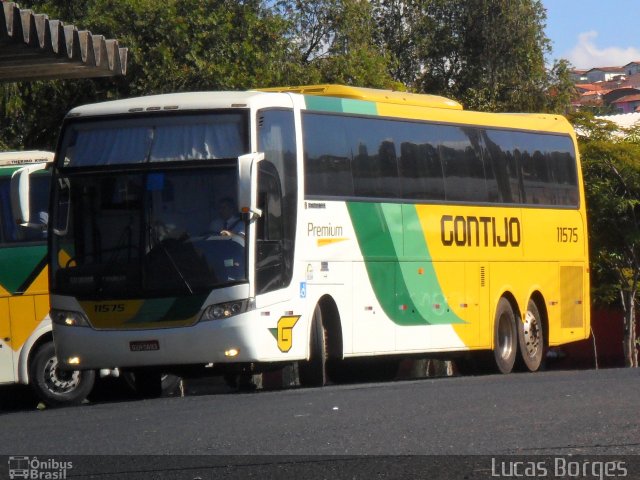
(21, 199)
(248, 184)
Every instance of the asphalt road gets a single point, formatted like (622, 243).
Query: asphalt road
(577, 413)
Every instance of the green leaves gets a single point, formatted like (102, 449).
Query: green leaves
(488, 54)
(611, 170)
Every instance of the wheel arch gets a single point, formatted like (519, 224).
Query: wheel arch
(538, 298)
(332, 323)
(41, 335)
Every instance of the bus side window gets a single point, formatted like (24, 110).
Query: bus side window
(464, 175)
(10, 231)
(270, 231)
(504, 180)
(8, 227)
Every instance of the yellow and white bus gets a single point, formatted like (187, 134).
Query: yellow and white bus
(27, 353)
(374, 224)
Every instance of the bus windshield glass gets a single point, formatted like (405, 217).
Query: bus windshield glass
(157, 233)
(154, 139)
(154, 229)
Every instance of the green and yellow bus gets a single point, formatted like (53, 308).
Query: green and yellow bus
(369, 225)
(27, 353)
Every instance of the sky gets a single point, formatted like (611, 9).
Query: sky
(594, 33)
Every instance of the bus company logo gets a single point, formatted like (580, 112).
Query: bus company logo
(480, 231)
(284, 333)
(36, 469)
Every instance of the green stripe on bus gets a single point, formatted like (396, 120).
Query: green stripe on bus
(408, 290)
(168, 309)
(340, 105)
(18, 264)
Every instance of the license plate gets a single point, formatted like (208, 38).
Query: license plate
(144, 346)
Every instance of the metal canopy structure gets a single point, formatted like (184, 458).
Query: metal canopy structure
(32, 47)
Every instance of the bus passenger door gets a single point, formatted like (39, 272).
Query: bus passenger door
(270, 269)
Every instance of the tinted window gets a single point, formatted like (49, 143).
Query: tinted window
(278, 186)
(327, 156)
(548, 169)
(504, 183)
(10, 231)
(419, 166)
(348, 156)
(375, 161)
(461, 157)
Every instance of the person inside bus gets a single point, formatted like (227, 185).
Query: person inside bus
(228, 221)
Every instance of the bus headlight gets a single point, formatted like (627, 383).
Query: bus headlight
(221, 311)
(69, 318)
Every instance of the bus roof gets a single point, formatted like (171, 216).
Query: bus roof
(170, 102)
(27, 157)
(372, 95)
(369, 101)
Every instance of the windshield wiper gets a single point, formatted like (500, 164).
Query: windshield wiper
(175, 267)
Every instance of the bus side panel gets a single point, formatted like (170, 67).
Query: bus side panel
(560, 237)
(373, 331)
(6, 354)
(408, 293)
(29, 309)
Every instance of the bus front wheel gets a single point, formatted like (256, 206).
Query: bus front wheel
(313, 372)
(56, 387)
(531, 338)
(505, 338)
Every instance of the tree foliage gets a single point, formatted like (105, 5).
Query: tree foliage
(611, 164)
(189, 45)
(336, 41)
(488, 54)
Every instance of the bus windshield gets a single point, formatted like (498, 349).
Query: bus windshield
(151, 233)
(155, 229)
(154, 139)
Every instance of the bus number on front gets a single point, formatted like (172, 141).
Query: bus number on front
(567, 234)
(108, 308)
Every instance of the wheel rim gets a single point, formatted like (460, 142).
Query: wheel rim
(505, 337)
(531, 333)
(60, 381)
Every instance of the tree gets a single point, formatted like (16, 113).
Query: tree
(337, 41)
(195, 45)
(611, 164)
(488, 54)
(174, 46)
(561, 90)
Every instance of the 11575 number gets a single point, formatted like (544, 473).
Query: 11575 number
(567, 234)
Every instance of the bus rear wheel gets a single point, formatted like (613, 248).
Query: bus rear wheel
(505, 337)
(313, 372)
(531, 338)
(56, 387)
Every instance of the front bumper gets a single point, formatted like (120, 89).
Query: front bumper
(206, 342)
